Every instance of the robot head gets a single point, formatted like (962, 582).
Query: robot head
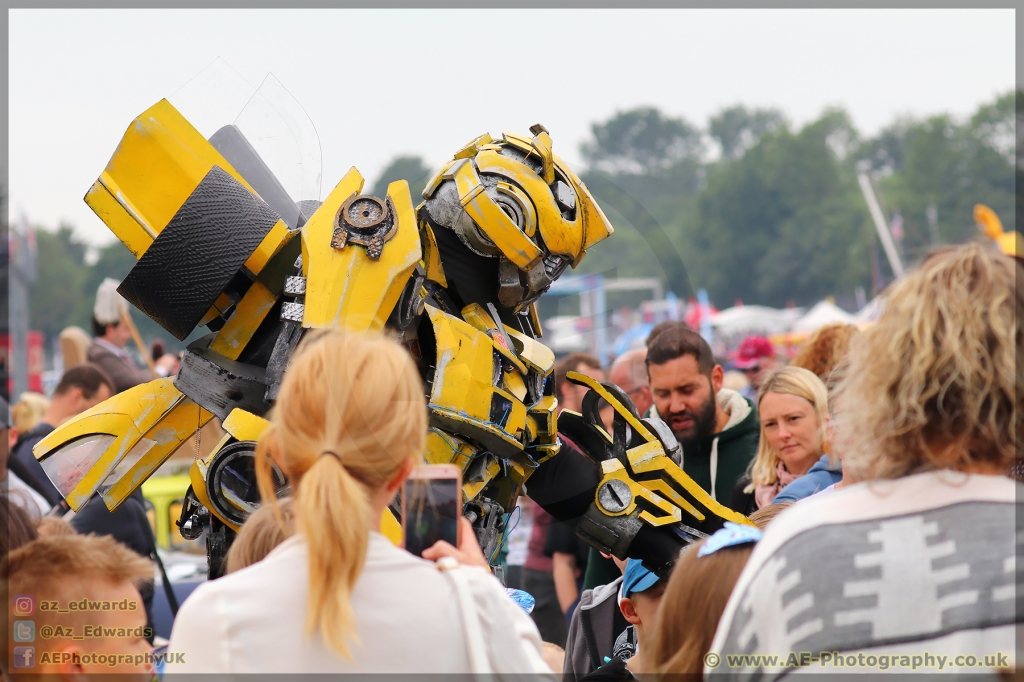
(514, 200)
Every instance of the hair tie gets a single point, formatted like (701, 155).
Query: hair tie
(333, 454)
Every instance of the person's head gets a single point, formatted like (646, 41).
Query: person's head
(793, 408)
(756, 355)
(684, 380)
(80, 569)
(80, 388)
(570, 395)
(554, 656)
(349, 423)
(694, 601)
(17, 525)
(109, 313)
(74, 346)
(935, 382)
(765, 515)
(825, 349)
(661, 327)
(260, 534)
(52, 526)
(29, 410)
(117, 333)
(641, 595)
(629, 372)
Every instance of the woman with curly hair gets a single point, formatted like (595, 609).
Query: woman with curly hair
(919, 559)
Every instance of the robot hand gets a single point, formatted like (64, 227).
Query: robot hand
(645, 505)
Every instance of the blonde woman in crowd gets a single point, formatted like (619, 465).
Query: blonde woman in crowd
(348, 427)
(921, 558)
(792, 405)
(74, 346)
(29, 410)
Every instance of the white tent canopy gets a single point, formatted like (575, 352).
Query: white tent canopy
(821, 314)
(754, 319)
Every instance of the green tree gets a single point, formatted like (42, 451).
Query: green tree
(59, 296)
(784, 221)
(736, 129)
(409, 168)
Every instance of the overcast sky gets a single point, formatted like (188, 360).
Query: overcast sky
(380, 83)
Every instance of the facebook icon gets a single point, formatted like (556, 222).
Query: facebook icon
(24, 656)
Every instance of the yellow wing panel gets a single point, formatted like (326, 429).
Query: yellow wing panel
(80, 454)
(345, 287)
(159, 162)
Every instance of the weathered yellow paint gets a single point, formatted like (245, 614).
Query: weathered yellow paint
(561, 236)
(174, 428)
(161, 159)
(432, 256)
(515, 385)
(127, 416)
(345, 287)
(480, 319)
(249, 314)
(470, 148)
(462, 388)
(279, 234)
(197, 474)
(435, 180)
(120, 220)
(596, 226)
(541, 143)
(245, 425)
(536, 356)
(535, 322)
(493, 221)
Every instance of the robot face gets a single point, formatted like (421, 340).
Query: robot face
(514, 200)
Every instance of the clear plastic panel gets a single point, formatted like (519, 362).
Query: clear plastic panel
(295, 157)
(270, 119)
(124, 466)
(68, 466)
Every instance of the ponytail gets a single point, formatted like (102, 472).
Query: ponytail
(333, 514)
(349, 415)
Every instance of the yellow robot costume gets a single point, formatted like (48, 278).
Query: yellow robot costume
(454, 280)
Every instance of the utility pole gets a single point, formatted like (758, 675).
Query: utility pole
(883, 230)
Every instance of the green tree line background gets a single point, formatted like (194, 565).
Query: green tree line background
(750, 206)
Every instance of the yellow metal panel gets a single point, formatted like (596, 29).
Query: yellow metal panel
(499, 228)
(345, 287)
(278, 235)
(197, 474)
(595, 224)
(480, 319)
(120, 221)
(534, 355)
(390, 527)
(245, 425)
(447, 448)
(249, 314)
(542, 144)
(469, 149)
(535, 321)
(435, 180)
(465, 364)
(432, 256)
(159, 162)
(126, 416)
(515, 385)
(560, 235)
(174, 428)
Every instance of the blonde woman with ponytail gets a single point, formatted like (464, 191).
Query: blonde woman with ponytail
(348, 427)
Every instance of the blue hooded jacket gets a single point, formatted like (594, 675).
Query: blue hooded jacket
(821, 476)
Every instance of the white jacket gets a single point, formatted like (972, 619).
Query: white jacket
(407, 617)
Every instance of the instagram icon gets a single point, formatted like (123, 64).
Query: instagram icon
(24, 604)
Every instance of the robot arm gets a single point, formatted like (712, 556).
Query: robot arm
(642, 504)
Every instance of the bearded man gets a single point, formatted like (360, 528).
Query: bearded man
(717, 428)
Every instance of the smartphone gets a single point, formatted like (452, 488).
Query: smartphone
(431, 506)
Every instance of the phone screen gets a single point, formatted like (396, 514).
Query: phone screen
(430, 511)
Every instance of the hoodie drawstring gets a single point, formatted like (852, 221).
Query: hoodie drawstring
(714, 467)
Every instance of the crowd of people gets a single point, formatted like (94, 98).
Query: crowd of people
(876, 469)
